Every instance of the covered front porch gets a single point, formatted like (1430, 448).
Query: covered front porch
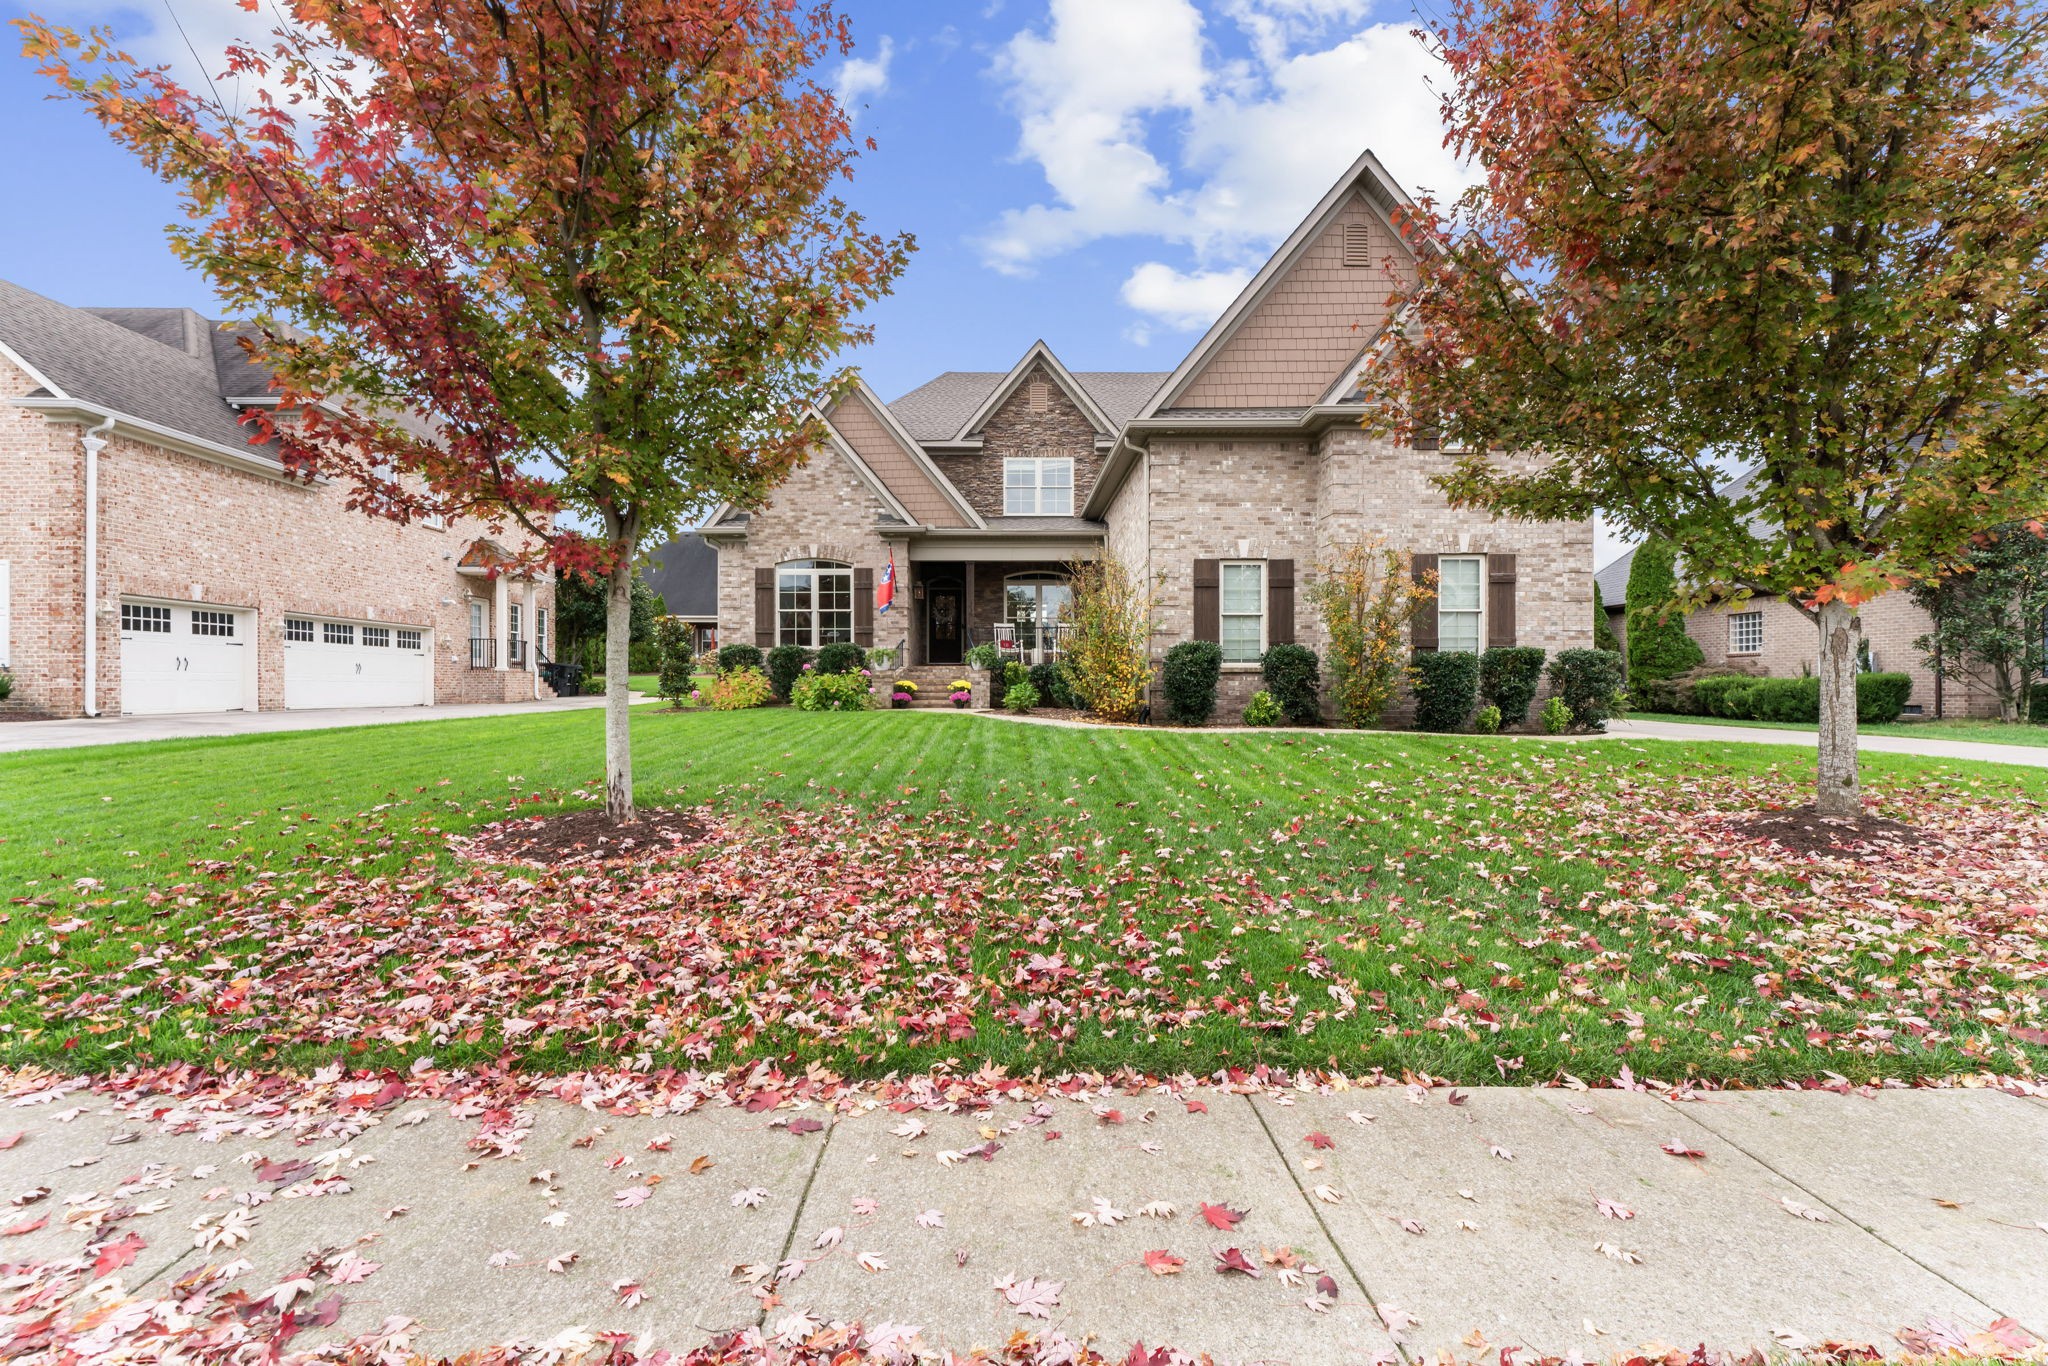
(1018, 603)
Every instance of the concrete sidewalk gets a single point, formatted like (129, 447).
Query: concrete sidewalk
(1464, 1222)
(21, 736)
(1973, 751)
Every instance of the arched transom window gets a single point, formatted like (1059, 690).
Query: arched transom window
(813, 602)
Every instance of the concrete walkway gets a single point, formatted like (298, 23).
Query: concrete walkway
(1973, 751)
(16, 736)
(1553, 1220)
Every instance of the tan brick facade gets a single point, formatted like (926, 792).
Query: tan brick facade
(178, 528)
(1791, 643)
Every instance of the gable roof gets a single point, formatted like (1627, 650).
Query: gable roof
(1038, 354)
(162, 366)
(928, 485)
(937, 409)
(1367, 176)
(726, 517)
(685, 573)
(1612, 582)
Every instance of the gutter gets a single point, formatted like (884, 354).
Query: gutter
(75, 410)
(95, 441)
(1134, 440)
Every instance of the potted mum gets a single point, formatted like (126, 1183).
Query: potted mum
(905, 694)
(962, 694)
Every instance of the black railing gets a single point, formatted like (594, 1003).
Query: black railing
(516, 652)
(483, 652)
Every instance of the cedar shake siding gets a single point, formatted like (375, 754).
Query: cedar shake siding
(899, 469)
(1315, 320)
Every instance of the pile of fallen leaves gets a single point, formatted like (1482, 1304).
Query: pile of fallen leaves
(1573, 922)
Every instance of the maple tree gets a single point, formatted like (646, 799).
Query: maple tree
(575, 269)
(1803, 238)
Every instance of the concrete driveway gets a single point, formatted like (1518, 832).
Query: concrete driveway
(1972, 751)
(18, 736)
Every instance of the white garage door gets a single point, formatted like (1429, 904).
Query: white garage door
(353, 664)
(181, 658)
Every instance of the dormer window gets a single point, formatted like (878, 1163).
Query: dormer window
(1038, 486)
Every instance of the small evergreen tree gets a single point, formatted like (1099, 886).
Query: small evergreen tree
(1658, 645)
(1603, 630)
(677, 660)
(1988, 616)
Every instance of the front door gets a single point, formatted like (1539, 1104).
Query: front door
(942, 622)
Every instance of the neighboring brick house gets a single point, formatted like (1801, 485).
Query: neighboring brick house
(1224, 482)
(219, 582)
(1769, 636)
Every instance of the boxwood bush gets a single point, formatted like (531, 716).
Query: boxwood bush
(1589, 682)
(1508, 678)
(1446, 689)
(1294, 677)
(840, 657)
(1189, 680)
(785, 666)
(1880, 698)
(1050, 681)
(732, 657)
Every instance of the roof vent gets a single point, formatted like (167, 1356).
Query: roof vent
(1357, 244)
(1036, 396)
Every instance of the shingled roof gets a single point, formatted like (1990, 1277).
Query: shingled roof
(167, 366)
(935, 410)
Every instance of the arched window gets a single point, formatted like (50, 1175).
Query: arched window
(813, 602)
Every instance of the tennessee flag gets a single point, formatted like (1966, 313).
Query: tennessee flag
(885, 591)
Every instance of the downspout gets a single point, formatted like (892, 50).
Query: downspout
(95, 442)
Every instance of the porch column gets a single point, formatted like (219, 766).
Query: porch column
(501, 620)
(967, 621)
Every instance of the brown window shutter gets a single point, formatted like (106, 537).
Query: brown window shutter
(1500, 600)
(1208, 600)
(864, 608)
(764, 607)
(1279, 602)
(1422, 631)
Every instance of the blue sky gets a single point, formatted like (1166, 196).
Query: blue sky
(1099, 173)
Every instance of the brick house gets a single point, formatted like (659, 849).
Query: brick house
(1224, 482)
(216, 580)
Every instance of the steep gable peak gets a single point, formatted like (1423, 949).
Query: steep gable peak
(1038, 358)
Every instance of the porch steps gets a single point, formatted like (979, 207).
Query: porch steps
(932, 682)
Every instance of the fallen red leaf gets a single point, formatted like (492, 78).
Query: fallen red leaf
(1223, 1217)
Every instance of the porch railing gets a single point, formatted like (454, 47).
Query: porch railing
(483, 652)
(1029, 642)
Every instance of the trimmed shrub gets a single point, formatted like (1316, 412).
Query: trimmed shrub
(2037, 703)
(674, 682)
(1020, 697)
(740, 689)
(1189, 680)
(731, 657)
(1658, 645)
(7, 686)
(1508, 678)
(840, 657)
(643, 657)
(1589, 682)
(832, 692)
(1603, 629)
(1782, 699)
(1294, 677)
(1487, 720)
(1881, 698)
(1446, 689)
(1050, 682)
(591, 686)
(1263, 710)
(785, 666)
(1557, 717)
(1711, 694)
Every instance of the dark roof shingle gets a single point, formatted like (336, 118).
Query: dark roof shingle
(935, 410)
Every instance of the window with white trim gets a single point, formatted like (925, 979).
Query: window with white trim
(141, 617)
(1746, 633)
(213, 623)
(1460, 602)
(813, 602)
(1038, 486)
(540, 629)
(513, 614)
(298, 628)
(337, 633)
(408, 640)
(1242, 608)
(377, 636)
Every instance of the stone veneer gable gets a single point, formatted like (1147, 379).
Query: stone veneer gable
(1014, 429)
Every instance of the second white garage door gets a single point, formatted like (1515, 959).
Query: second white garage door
(353, 664)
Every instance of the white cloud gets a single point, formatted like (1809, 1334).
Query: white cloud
(1143, 128)
(865, 78)
(1183, 300)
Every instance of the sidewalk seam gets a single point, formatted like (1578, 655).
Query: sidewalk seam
(1824, 1202)
(803, 1202)
(1335, 1246)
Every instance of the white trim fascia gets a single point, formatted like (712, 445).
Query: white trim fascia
(68, 410)
(1064, 377)
(20, 362)
(1277, 265)
(917, 452)
(868, 476)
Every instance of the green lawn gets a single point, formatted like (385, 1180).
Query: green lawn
(1948, 728)
(1485, 908)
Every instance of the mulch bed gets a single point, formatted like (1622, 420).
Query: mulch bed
(1803, 830)
(583, 839)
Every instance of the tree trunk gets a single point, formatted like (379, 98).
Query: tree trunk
(1841, 631)
(618, 737)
